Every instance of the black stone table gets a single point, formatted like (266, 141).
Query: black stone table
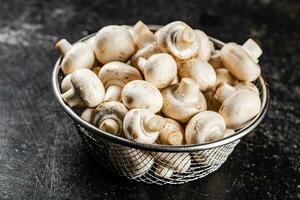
(41, 155)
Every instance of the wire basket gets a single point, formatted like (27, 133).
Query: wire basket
(159, 164)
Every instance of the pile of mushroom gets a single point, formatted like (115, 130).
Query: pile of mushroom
(153, 85)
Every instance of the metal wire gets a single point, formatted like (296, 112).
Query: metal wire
(158, 164)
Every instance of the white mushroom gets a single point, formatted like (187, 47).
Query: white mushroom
(114, 76)
(228, 132)
(66, 83)
(224, 76)
(239, 63)
(76, 56)
(159, 69)
(247, 85)
(183, 100)
(142, 94)
(87, 114)
(86, 89)
(171, 162)
(252, 49)
(131, 162)
(172, 133)
(109, 117)
(200, 71)
(205, 127)
(238, 105)
(178, 39)
(114, 43)
(141, 34)
(205, 48)
(145, 52)
(142, 126)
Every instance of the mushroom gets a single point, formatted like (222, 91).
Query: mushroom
(238, 105)
(215, 59)
(109, 117)
(87, 114)
(131, 162)
(171, 162)
(76, 56)
(205, 46)
(141, 125)
(145, 52)
(228, 132)
(172, 133)
(247, 85)
(142, 94)
(200, 71)
(114, 43)
(66, 83)
(224, 76)
(252, 49)
(178, 39)
(183, 100)
(239, 63)
(205, 126)
(86, 89)
(114, 76)
(141, 34)
(159, 69)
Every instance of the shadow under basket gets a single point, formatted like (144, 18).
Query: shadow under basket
(158, 164)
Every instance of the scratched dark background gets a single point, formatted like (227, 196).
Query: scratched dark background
(41, 155)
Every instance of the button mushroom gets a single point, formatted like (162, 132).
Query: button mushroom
(145, 52)
(252, 49)
(183, 100)
(171, 162)
(132, 162)
(204, 51)
(66, 83)
(172, 133)
(238, 106)
(178, 39)
(142, 94)
(239, 63)
(205, 127)
(76, 56)
(114, 76)
(87, 114)
(109, 117)
(247, 85)
(159, 69)
(200, 71)
(224, 76)
(142, 126)
(114, 43)
(141, 34)
(86, 89)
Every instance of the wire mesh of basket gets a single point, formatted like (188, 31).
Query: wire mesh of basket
(158, 164)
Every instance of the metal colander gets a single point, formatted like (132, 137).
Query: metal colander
(159, 164)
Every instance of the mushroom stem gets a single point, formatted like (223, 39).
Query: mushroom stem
(223, 91)
(63, 46)
(113, 93)
(110, 126)
(171, 138)
(72, 98)
(154, 123)
(185, 37)
(252, 48)
(186, 88)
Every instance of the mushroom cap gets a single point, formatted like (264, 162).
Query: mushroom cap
(142, 94)
(87, 114)
(200, 71)
(79, 56)
(239, 63)
(66, 83)
(247, 85)
(223, 75)
(205, 50)
(240, 107)
(183, 100)
(178, 39)
(118, 73)
(141, 34)
(115, 111)
(145, 52)
(114, 43)
(160, 69)
(205, 127)
(142, 126)
(88, 87)
(130, 161)
(179, 162)
(172, 133)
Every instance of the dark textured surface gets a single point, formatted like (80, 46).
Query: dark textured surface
(41, 155)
